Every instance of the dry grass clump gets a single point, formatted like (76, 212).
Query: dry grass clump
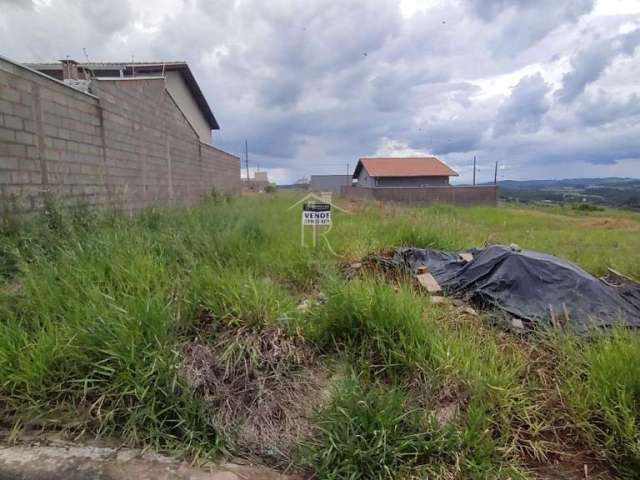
(262, 383)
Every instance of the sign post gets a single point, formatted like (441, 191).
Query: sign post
(315, 213)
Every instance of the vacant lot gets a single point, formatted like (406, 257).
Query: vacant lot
(211, 331)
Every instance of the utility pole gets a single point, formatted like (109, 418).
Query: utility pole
(348, 174)
(495, 174)
(474, 170)
(246, 158)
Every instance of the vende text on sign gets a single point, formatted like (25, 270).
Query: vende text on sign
(316, 214)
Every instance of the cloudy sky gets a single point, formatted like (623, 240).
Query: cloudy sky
(549, 88)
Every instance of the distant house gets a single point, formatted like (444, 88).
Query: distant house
(258, 183)
(402, 172)
(261, 177)
(329, 183)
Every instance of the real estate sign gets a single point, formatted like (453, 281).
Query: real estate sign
(316, 214)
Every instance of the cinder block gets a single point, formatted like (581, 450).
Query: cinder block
(5, 177)
(13, 122)
(27, 164)
(5, 78)
(22, 111)
(26, 138)
(6, 107)
(50, 131)
(8, 163)
(29, 126)
(16, 150)
(7, 135)
(9, 94)
(21, 84)
(18, 178)
(26, 99)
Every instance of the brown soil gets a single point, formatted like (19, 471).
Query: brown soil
(264, 386)
(572, 466)
(610, 223)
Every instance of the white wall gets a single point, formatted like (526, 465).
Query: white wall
(364, 180)
(180, 92)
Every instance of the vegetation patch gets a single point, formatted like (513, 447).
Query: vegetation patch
(261, 385)
(373, 432)
(202, 331)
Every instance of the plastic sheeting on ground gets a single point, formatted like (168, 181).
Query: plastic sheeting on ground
(530, 285)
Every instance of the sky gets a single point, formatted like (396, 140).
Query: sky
(547, 88)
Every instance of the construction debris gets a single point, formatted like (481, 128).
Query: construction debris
(534, 287)
(438, 300)
(428, 282)
(466, 257)
(517, 324)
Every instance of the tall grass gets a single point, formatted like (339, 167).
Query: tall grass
(368, 319)
(601, 381)
(372, 432)
(96, 307)
(88, 340)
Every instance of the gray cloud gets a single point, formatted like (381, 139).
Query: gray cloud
(488, 10)
(109, 17)
(21, 3)
(523, 111)
(315, 85)
(525, 22)
(588, 65)
(602, 109)
(598, 147)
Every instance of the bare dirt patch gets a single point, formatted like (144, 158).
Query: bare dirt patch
(572, 466)
(263, 384)
(611, 223)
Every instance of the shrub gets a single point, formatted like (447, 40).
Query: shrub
(586, 207)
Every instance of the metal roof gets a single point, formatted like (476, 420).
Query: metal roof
(144, 68)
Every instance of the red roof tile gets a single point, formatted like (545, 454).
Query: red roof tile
(404, 167)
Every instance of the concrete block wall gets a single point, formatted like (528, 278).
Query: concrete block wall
(463, 195)
(126, 144)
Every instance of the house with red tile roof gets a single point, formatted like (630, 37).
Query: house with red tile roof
(402, 172)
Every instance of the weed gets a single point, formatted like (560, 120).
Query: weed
(371, 432)
(368, 318)
(586, 207)
(601, 381)
(240, 297)
(101, 314)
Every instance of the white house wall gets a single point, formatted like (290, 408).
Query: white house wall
(181, 94)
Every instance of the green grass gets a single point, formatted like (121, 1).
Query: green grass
(95, 308)
(602, 382)
(373, 432)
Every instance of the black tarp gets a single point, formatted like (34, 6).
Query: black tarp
(529, 285)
